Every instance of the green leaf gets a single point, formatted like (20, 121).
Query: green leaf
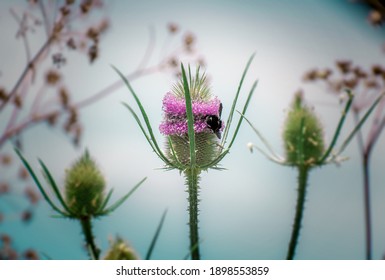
(121, 200)
(144, 115)
(228, 123)
(274, 157)
(144, 132)
(54, 187)
(243, 112)
(190, 118)
(37, 182)
(155, 238)
(359, 125)
(105, 202)
(339, 127)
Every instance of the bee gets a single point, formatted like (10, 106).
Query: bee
(214, 122)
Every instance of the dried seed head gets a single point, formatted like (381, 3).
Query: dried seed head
(344, 66)
(52, 77)
(172, 28)
(303, 134)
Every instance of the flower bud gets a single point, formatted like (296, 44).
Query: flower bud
(303, 134)
(207, 122)
(84, 187)
(120, 250)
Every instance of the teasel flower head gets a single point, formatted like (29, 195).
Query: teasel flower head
(84, 193)
(192, 122)
(120, 250)
(304, 138)
(208, 126)
(303, 134)
(84, 187)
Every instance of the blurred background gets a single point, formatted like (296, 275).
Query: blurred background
(70, 99)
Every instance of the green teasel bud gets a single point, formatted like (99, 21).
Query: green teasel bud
(84, 187)
(120, 250)
(303, 134)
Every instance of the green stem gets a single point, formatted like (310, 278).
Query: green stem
(192, 178)
(303, 173)
(368, 222)
(89, 237)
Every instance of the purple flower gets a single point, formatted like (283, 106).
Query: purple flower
(175, 119)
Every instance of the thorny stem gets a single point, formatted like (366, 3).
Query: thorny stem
(192, 178)
(89, 237)
(303, 172)
(368, 222)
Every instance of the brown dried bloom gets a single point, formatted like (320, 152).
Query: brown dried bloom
(4, 188)
(85, 7)
(377, 70)
(6, 159)
(172, 28)
(52, 77)
(23, 173)
(52, 119)
(6, 239)
(344, 66)
(324, 74)
(93, 34)
(3, 94)
(31, 254)
(65, 11)
(375, 17)
(32, 195)
(93, 53)
(71, 44)
(17, 101)
(189, 40)
(26, 216)
(64, 97)
(310, 75)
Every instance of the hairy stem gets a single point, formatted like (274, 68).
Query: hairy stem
(192, 178)
(89, 237)
(303, 173)
(368, 222)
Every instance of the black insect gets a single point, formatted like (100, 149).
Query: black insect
(215, 123)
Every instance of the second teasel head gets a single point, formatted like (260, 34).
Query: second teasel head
(303, 134)
(84, 187)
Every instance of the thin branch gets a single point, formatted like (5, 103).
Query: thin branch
(30, 67)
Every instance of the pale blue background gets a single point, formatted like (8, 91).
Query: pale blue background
(246, 212)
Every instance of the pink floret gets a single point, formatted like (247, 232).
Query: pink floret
(177, 106)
